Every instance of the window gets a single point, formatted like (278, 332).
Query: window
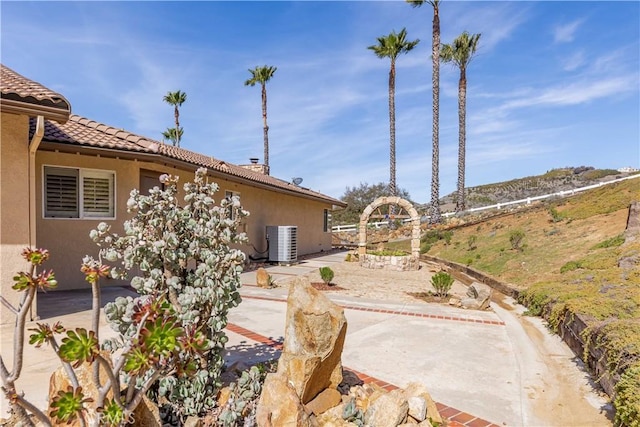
(78, 193)
(231, 213)
(326, 226)
(148, 180)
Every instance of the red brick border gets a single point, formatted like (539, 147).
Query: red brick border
(454, 417)
(402, 313)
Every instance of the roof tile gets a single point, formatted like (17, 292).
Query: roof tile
(16, 86)
(84, 132)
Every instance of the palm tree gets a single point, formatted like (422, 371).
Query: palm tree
(262, 75)
(176, 99)
(170, 135)
(460, 53)
(390, 47)
(435, 128)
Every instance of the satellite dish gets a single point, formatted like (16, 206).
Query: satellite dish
(296, 181)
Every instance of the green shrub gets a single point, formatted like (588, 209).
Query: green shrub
(180, 254)
(515, 238)
(627, 401)
(441, 282)
(388, 252)
(326, 273)
(570, 266)
(555, 215)
(471, 242)
(611, 243)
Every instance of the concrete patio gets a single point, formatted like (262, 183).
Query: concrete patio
(483, 367)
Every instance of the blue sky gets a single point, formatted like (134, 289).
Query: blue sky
(553, 84)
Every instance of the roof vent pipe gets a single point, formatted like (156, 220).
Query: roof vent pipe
(254, 160)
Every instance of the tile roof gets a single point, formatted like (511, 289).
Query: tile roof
(19, 88)
(84, 132)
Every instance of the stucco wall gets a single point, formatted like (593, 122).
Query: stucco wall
(68, 239)
(14, 204)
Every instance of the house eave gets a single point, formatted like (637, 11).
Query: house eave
(178, 164)
(59, 115)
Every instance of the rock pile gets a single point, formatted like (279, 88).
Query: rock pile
(309, 389)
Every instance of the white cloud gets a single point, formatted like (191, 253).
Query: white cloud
(578, 92)
(566, 33)
(496, 23)
(574, 61)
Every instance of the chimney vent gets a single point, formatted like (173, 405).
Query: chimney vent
(254, 160)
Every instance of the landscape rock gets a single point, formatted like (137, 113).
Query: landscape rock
(470, 303)
(417, 408)
(263, 278)
(327, 399)
(279, 404)
(349, 379)
(479, 292)
(389, 410)
(314, 338)
(419, 390)
(433, 415)
(330, 420)
(59, 381)
(633, 223)
(192, 422)
(223, 396)
(147, 414)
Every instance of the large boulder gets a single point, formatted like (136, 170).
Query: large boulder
(479, 297)
(314, 338)
(279, 404)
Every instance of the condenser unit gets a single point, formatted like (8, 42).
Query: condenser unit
(283, 243)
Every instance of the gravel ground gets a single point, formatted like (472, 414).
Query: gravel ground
(386, 285)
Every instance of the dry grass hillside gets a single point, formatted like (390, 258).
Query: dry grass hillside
(553, 181)
(567, 257)
(553, 234)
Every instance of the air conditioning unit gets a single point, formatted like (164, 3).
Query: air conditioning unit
(283, 243)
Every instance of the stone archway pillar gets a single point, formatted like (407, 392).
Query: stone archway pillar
(381, 201)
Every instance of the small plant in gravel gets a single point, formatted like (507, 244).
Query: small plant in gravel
(442, 282)
(326, 274)
(352, 414)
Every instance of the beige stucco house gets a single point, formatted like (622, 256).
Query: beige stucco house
(61, 174)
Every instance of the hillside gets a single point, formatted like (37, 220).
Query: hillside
(553, 181)
(570, 259)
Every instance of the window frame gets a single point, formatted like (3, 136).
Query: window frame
(228, 194)
(326, 221)
(81, 174)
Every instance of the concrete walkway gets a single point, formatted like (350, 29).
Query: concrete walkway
(483, 368)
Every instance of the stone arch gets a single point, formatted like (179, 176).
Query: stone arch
(380, 201)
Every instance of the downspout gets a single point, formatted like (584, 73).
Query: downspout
(33, 147)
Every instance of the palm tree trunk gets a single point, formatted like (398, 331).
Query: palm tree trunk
(435, 158)
(176, 113)
(462, 117)
(265, 128)
(392, 133)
